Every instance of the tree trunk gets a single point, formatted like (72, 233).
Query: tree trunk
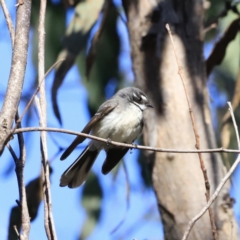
(177, 178)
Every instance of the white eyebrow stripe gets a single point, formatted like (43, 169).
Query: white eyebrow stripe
(134, 95)
(144, 98)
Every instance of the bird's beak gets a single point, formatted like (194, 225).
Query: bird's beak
(150, 105)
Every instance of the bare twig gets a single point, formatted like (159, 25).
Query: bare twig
(48, 220)
(31, 100)
(221, 184)
(20, 162)
(37, 90)
(16, 230)
(18, 66)
(42, 109)
(119, 144)
(25, 219)
(8, 20)
(210, 27)
(234, 123)
(204, 170)
(14, 156)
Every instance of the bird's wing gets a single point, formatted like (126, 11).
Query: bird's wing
(104, 109)
(114, 155)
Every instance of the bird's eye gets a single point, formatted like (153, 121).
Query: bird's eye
(140, 99)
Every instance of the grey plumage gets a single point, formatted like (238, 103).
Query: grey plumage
(119, 119)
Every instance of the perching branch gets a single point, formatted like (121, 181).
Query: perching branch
(221, 184)
(197, 137)
(18, 67)
(119, 144)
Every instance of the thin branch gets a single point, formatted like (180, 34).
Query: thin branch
(37, 90)
(14, 156)
(203, 168)
(20, 163)
(48, 221)
(22, 149)
(25, 219)
(221, 184)
(31, 100)
(16, 230)
(42, 109)
(234, 123)
(8, 20)
(18, 67)
(119, 144)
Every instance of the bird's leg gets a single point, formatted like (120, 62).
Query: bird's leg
(134, 146)
(109, 141)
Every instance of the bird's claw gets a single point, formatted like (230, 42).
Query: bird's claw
(134, 146)
(109, 141)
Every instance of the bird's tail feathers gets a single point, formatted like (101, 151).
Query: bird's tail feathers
(77, 173)
(71, 147)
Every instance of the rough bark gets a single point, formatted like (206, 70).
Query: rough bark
(18, 66)
(177, 178)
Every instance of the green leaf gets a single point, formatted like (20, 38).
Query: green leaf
(105, 68)
(75, 40)
(54, 27)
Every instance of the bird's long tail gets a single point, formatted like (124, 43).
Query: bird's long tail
(77, 173)
(71, 147)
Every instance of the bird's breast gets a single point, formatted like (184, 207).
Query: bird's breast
(121, 126)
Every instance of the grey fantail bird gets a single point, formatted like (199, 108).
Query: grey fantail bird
(119, 119)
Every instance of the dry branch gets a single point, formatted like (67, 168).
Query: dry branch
(20, 163)
(42, 109)
(18, 66)
(197, 137)
(221, 184)
(119, 144)
(25, 219)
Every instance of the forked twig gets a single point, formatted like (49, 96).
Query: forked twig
(221, 184)
(203, 168)
(31, 100)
